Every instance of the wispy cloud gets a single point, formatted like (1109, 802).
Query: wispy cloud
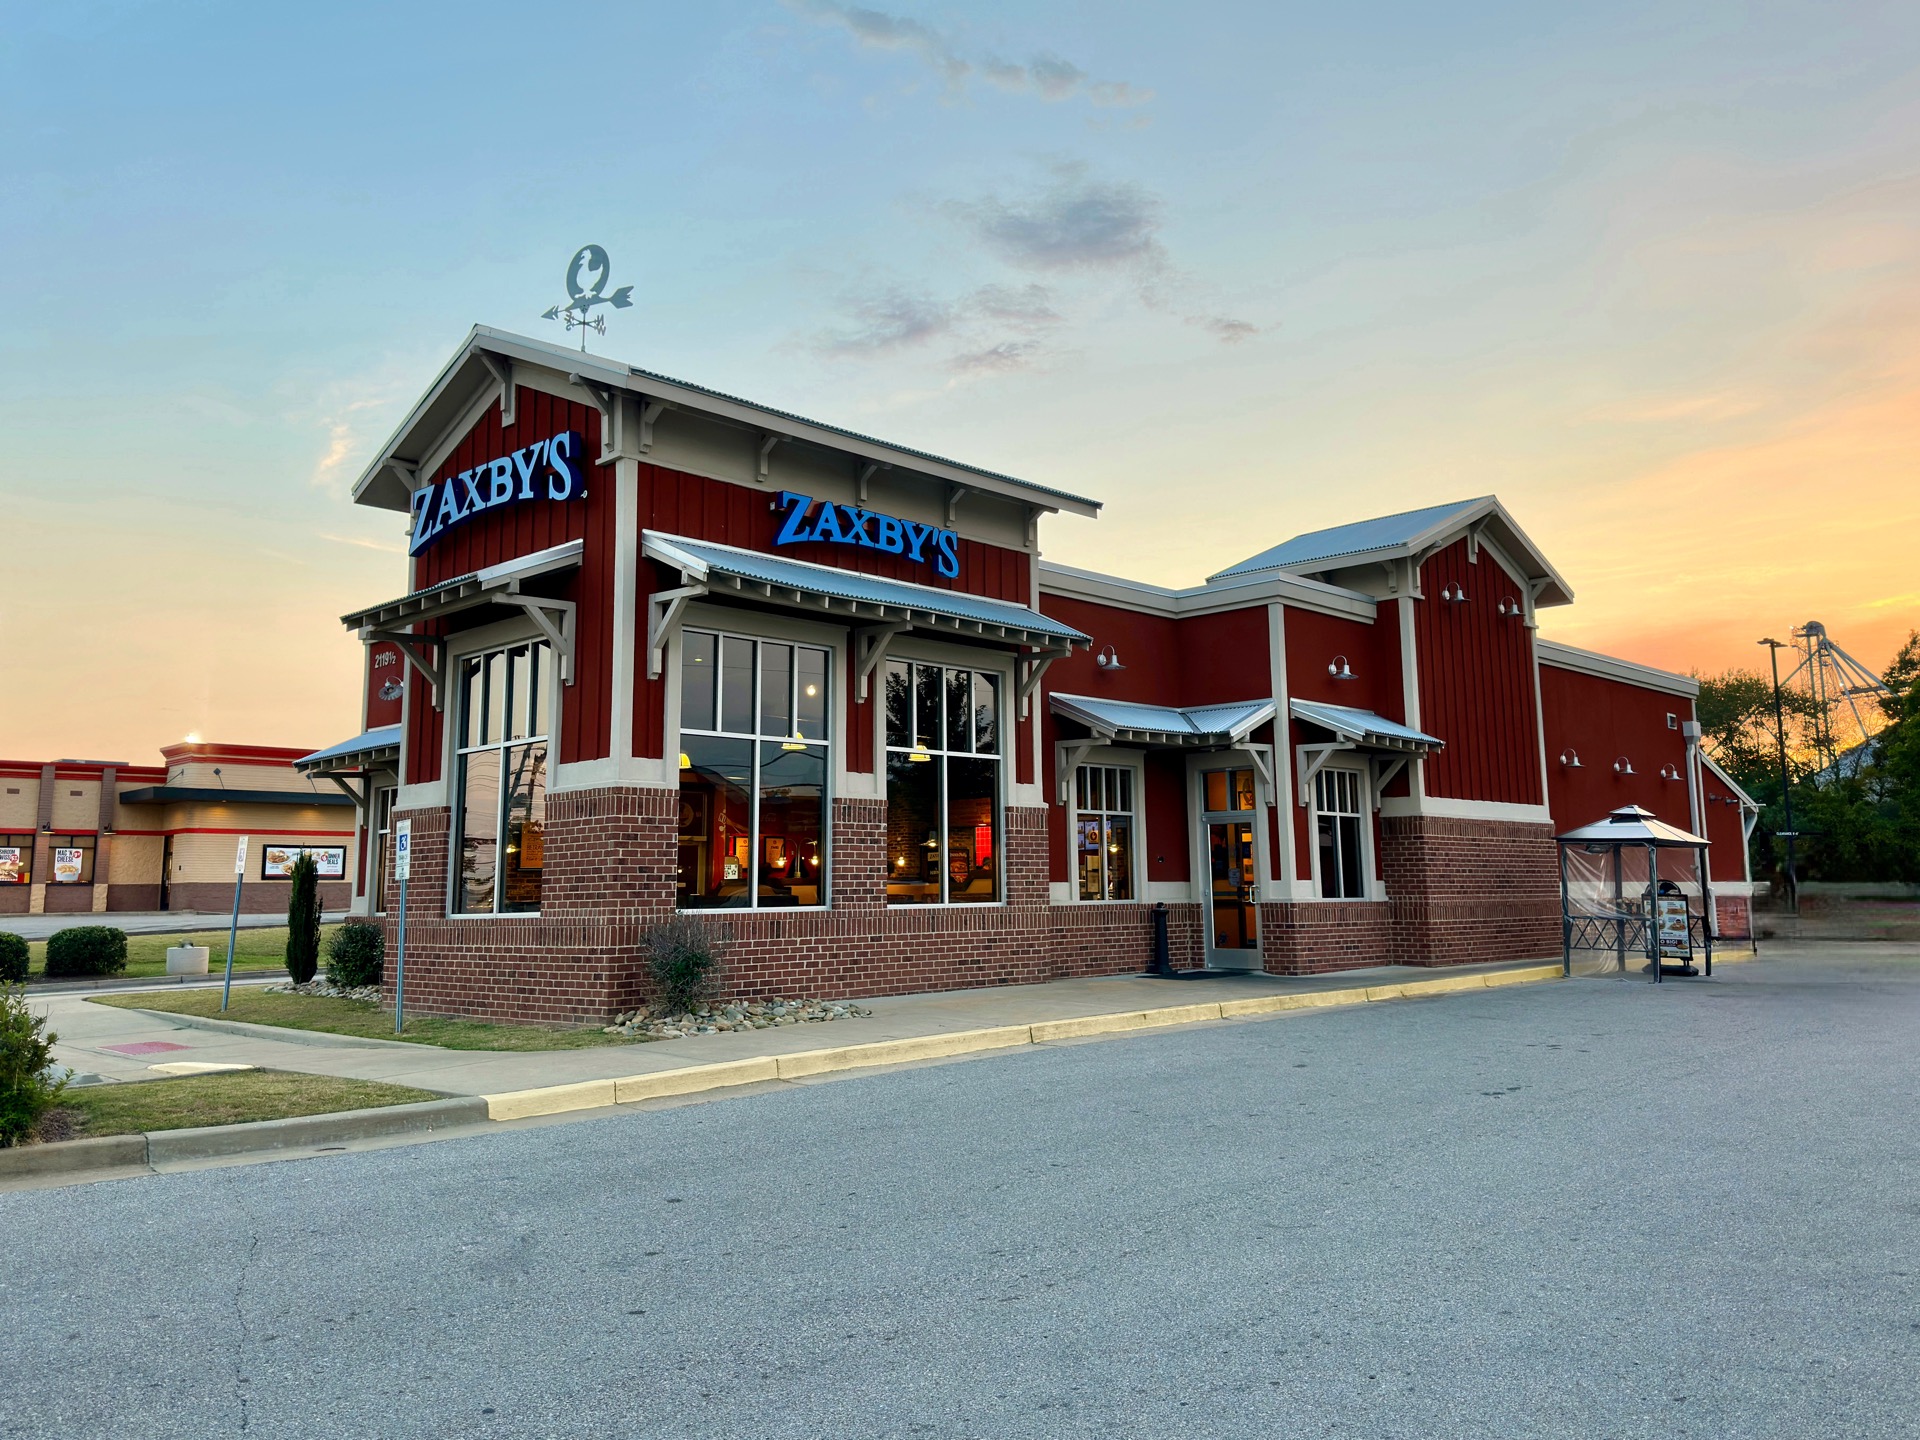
(1047, 76)
(390, 547)
(1023, 307)
(1225, 328)
(891, 319)
(1073, 221)
(1008, 355)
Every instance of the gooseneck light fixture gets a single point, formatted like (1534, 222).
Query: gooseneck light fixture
(1108, 658)
(1339, 669)
(1570, 759)
(1454, 594)
(1624, 766)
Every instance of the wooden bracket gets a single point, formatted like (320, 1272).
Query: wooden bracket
(870, 644)
(501, 368)
(663, 618)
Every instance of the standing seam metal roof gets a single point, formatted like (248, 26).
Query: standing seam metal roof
(1357, 538)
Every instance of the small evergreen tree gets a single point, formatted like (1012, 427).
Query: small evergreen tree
(26, 1052)
(303, 921)
(13, 959)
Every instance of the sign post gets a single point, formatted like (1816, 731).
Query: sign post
(233, 933)
(402, 868)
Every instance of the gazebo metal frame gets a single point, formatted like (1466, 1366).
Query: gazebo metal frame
(1635, 925)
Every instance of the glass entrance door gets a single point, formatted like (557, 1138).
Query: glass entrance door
(1233, 901)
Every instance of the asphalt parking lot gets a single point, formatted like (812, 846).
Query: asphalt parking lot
(1596, 1208)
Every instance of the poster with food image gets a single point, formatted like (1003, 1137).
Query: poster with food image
(13, 865)
(68, 865)
(277, 861)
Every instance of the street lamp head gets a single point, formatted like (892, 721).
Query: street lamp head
(1776, 644)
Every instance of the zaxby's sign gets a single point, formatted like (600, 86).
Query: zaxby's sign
(545, 470)
(849, 525)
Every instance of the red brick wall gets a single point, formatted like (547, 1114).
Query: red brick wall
(1469, 891)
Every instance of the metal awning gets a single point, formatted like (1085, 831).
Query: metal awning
(496, 585)
(1192, 727)
(215, 795)
(1390, 743)
(1130, 722)
(888, 607)
(377, 749)
(1630, 825)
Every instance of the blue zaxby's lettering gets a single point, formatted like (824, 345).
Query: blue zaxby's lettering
(850, 525)
(545, 470)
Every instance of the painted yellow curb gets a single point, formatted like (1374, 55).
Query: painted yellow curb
(897, 1052)
(1082, 1025)
(692, 1079)
(551, 1100)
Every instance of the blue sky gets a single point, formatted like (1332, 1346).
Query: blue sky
(1646, 271)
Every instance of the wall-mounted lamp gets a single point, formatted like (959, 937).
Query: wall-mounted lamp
(1669, 772)
(1454, 594)
(1510, 606)
(1108, 659)
(1339, 669)
(1570, 759)
(1624, 766)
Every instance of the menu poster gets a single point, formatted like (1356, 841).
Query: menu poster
(277, 861)
(68, 865)
(13, 865)
(1675, 938)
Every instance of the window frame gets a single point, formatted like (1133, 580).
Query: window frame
(1135, 773)
(23, 841)
(477, 645)
(1361, 815)
(87, 841)
(1006, 725)
(832, 720)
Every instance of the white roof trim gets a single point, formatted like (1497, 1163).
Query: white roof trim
(1608, 667)
(1747, 802)
(1239, 592)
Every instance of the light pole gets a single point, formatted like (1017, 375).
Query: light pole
(1774, 647)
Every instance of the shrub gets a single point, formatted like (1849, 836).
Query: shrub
(683, 957)
(303, 921)
(356, 954)
(26, 1052)
(13, 959)
(86, 950)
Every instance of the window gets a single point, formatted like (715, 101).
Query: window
(943, 785)
(501, 736)
(1228, 790)
(1337, 817)
(1103, 820)
(383, 801)
(73, 859)
(16, 859)
(753, 773)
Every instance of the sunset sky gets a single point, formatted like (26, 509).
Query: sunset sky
(1649, 272)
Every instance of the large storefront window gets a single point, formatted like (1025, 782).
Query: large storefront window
(1337, 816)
(1103, 815)
(501, 818)
(73, 859)
(383, 802)
(943, 785)
(16, 859)
(753, 773)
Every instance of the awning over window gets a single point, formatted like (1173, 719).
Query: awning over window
(219, 795)
(500, 584)
(1363, 729)
(1194, 727)
(377, 749)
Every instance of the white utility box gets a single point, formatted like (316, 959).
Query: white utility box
(186, 960)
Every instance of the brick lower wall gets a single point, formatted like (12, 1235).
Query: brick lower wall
(257, 897)
(1463, 891)
(1735, 913)
(1470, 891)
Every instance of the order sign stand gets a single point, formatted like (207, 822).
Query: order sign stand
(402, 868)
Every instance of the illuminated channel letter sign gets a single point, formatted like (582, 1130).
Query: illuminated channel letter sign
(545, 470)
(848, 525)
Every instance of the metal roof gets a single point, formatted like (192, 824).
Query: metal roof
(1191, 726)
(215, 795)
(1385, 532)
(464, 591)
(359, 752)
(801, 583)
(1630, 825)
(1363, 726)
(1412, 532)
(441, 405)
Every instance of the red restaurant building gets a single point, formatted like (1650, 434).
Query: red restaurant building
(660, 649)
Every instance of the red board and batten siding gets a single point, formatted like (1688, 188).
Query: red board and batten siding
(1476, 683)
(515, 530)
(1372, 651)
(676, 503)
(1602, 721)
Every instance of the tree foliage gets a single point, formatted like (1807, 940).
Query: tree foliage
(303, 921)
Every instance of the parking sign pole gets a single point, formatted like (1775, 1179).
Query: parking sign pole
(402, 868)
(233, 933)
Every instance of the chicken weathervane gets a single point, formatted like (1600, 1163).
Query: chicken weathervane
(587, 277)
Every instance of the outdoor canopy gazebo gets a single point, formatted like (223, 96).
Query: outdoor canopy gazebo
(1615, 900)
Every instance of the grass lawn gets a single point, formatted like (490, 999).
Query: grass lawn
(221, 1100)
(147, 954)
(361, 1017)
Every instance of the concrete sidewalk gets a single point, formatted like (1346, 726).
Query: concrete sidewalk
(96, 1040)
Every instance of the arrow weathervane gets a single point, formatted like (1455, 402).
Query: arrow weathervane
(590, 264)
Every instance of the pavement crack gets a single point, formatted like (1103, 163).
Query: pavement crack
(240, 1381)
